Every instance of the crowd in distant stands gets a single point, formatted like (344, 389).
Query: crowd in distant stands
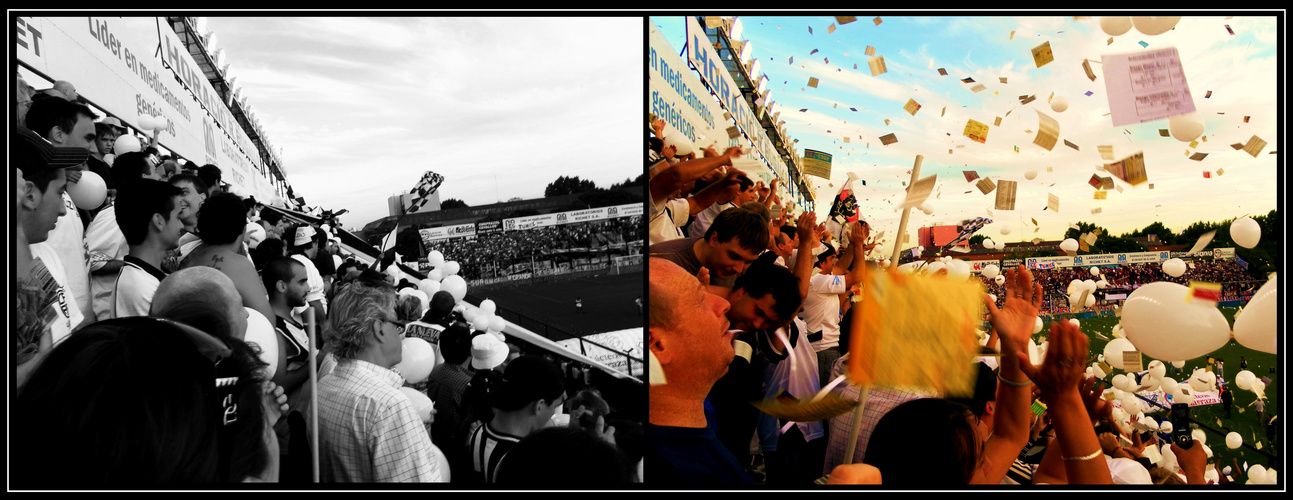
(1235, 280)
(485, 255)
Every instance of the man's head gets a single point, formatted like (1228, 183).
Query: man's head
(765, 296)
(273, 222)
(746, 192)
(221, 220)
(532, 387)
(286, 279)
(983, 403)
(303, 242)
(169, 168)
(211, 176)
(105, 137)
(193, 192)
(733, 241)
(24, 93)
(149, 210)
(40, 199)
(201, 295)
(455, 344)
(362, 324)
(65, 124)
(67, 89)
(788, 241)
(130, 167)
(827, 259)
(687, 330)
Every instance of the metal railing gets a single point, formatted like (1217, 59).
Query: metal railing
(553, 333)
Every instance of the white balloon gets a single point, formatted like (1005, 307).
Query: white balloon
(89, 192)
(1182, 395)
(1199, 436)
(1001, 245)
(1030, 175)
(1132, 405)
(1163, 325)
(1258, 387)
(1169, 458)
(1101, 284)
(470, 314)
(1199, 384)
(1059, 104)
(435, 258)
(1090, 300)
(684, 146)
(934, 267)
(1157, 369)
(451, 268)
(1186, 127)
(1256, 327)
(261, 333)
(481, 323)
(1178, 364)
(946, 259)
(1207, 450)
(1246, 232)
(1099, 357)
(1000, 279)
(1154, 25)
(1069, 245)
(1113, 352)
(1099, 372)
(1174, 267)
(988, 243)
(126, 143)
(109, 158)
(429, 287)
(1165, 426)
(1120, 381)
(1168, 384)
(1257, 474)
(146, 122)
(417, 360)
(886, 263)
(1075, 322)
(1115, 25)
(497, 324)
(1005, 229)
(990, 271)
(1090, 372)
(456, 286)
(488, 306)
(993, 297)
(420, 402)
(958, 270)
(1037, 325)
(1075, 299)
(1095, 270)
(1244, 380)
(1234, 440)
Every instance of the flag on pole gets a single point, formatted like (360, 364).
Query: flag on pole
(844, 210)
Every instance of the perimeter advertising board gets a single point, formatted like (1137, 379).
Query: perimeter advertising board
(134, 66)
(620, 342)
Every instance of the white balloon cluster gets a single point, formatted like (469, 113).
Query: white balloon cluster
(1148, 25)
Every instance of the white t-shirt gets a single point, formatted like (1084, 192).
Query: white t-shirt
(68, 241)
(104, 242)
(136, 285)
(69, 316)
(668, 219)
(706, 217)
(822, 308)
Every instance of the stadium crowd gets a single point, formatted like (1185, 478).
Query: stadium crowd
(501, 253)
(169, 336)
(745, 306)
(1235, 281)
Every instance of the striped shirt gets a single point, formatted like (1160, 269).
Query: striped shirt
(488, 447)
(369, 431)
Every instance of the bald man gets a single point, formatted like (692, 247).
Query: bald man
(199, 295)
(688, 335)
(67, 90)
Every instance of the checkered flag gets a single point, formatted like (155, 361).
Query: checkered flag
(969, 230)
(424, 189)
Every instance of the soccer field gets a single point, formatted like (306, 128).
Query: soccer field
(1242, 420)
(608, 303)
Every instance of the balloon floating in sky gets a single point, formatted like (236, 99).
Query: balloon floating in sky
(1162, 325)
(1115, 25)
(1069, 245)
(1154, 25)
(1059, 104)
(1174, 267)
(1246, 232)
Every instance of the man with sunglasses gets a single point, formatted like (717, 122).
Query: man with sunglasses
(368, 430)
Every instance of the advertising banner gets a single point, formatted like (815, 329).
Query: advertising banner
(531, 222)
(1048, 262)
(494, 226)
(713, 71)
(134, 66)
(1142, 257)
(1223, 253)
(1105, 259)
(620, 342)
(587, 215)
(446, 232)
(679, 98)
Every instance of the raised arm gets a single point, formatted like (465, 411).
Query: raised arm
(673, 179)
(724, 188)
(857, 243)
(1014, 324)
(807, 242)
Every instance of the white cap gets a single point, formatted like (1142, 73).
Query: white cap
(304, 235)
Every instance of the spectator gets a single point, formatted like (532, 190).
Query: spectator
(104, 241)
(564, 456)
(303, 250)
(369, 431)
(148, 217)
(268, 250)
(408, 308)
(446, 385)
(46, 312)
(202, 296)
(524, 400)
(68, 125)
(879, 402)
(65, 90)
(682, 449)
(220, 224)
(106, 133)
(211, 176)
(744, 192)
(287, 284)
(194, 194)
(732, 242)
(85, 408)
(822, 302)
(24, 94)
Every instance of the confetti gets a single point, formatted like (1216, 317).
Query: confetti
(1048, 131)
(1130, 169)
(845, 19)
(1006, 195)
(1089, 93)
(877, 65)
(1095, 211)
(1012, 35)
(1198, 156)
(1042, 54)
(1053, 202)
(911, 107)
(1246, 119)
(1086, 66)
(978, 88)
(813, 52)
(1003, 79)
(970, 176)
(967, 80)
(810, 30)
(977, 132)
(830, 29)
(1100, 195)
(1221, 171)
(853, 109)
(985, 185)
(888, 139)
(997, 122)
(877, 21)
(1207, 95)
(1164, 132)
(1071, 145)
(1143, 44)
(942, 72)
(944, 112)
(1232, 32)
(870, 51)
(812, 82)
(1028, 99)
(1207, 174)
(1254, 146)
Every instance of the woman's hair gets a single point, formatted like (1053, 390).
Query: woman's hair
(525, 380)
(926, 443)
(408, 308)
(353, 309)
(1160, 475)
(222, 219)
(134, 401)
(561, 456)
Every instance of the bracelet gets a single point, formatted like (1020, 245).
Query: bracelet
(1025, 383)
(1094, 454)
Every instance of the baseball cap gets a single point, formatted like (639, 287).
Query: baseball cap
(487, 352)
(304, 235)
(35, 153)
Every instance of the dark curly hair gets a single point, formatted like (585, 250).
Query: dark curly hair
(222, 219)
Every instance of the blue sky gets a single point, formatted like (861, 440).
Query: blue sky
(500, 107)
(1239, 69)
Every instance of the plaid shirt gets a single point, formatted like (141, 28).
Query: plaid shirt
(879, 400)
(446, 387)
(369, 431)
